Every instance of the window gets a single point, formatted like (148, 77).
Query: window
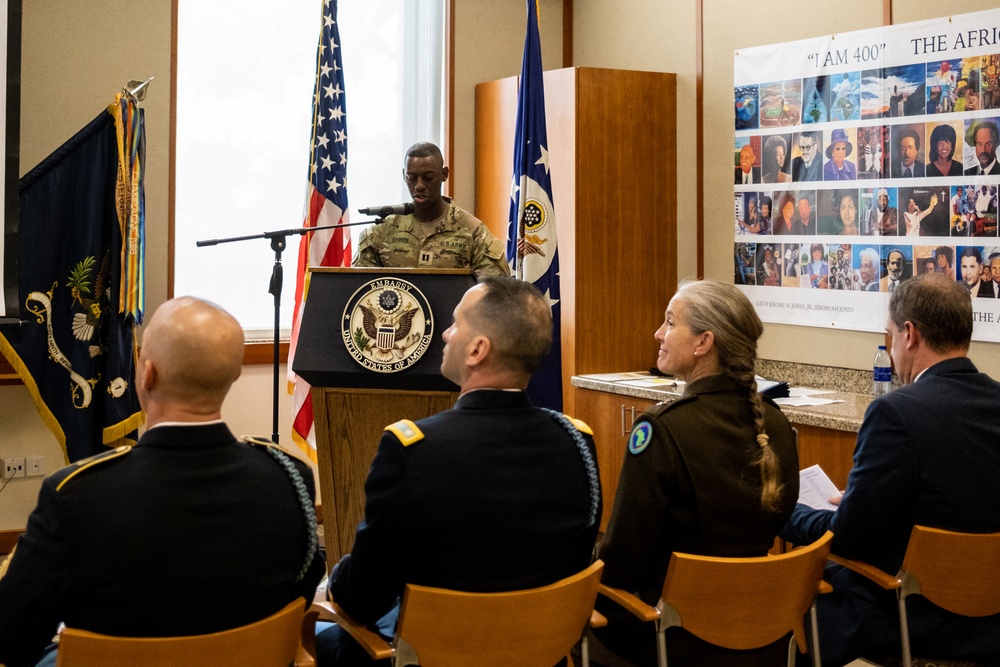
(245, 73)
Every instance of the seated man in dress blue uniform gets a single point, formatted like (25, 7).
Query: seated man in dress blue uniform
(927, 453)
(188, 532)
(492, 495)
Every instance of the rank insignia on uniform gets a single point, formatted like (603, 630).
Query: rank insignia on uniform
(387, 325)
(406, 431)
(639, 439)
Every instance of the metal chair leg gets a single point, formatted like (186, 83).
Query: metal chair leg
(904, 631)
(814, 629)
(661, 646)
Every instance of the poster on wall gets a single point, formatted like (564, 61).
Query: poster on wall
(863, 159)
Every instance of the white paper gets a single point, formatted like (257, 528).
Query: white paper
(807, 391)
(801, 401)
(654, 382)
(815, 489)
(617, 377)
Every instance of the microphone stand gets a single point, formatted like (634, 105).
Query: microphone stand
(278, 245)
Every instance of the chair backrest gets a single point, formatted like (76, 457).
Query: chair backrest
(744, 603)
(956, 571)
(529, 628)
(271, 642)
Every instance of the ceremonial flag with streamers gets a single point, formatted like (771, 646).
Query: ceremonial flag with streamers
(74, 350)
(131, 199)
(326, 204)
(531, 234)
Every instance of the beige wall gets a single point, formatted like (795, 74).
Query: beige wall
(654, 36)
(659, 36)
(72, 68)
(489, 43)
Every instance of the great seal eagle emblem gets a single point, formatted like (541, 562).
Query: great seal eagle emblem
(387, 325)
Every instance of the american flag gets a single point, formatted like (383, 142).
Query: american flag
(531, 232)
(326, 203)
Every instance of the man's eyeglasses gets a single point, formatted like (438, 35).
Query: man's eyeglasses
(806, 147)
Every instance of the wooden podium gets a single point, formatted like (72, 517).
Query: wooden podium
(359, 347)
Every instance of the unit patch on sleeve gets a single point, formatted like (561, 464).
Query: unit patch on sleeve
(639, 438)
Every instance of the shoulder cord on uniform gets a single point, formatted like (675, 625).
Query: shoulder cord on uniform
(588, 462)
(305, 501)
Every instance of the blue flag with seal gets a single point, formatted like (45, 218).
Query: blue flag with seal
(73, 350)
(531, 232)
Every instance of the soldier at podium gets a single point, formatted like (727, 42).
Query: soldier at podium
(492, 495)
(438, 234)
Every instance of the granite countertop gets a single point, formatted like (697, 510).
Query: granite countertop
(844, 385)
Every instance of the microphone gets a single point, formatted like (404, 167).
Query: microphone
(382, 211)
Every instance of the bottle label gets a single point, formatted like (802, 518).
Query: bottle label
(883, 374)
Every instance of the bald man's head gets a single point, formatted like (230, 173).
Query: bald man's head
(192, 352)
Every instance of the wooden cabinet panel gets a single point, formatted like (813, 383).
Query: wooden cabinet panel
(349, 426)
(832, 450)
(612, 154)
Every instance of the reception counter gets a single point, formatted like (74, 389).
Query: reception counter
(827, 433)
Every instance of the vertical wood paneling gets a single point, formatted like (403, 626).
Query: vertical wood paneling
(349, 425)
(612, 152)
(496, 110)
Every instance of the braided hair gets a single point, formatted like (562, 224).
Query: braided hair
(721, 308)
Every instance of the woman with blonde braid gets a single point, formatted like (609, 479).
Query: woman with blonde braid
(712, 473)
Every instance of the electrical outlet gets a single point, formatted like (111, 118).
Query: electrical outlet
(33, 466)
(13, 468)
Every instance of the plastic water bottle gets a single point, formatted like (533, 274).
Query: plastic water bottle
(882, 372)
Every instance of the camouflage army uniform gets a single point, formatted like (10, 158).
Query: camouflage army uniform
(460, 241)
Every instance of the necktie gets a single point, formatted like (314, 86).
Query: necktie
(892, 285)
(907, 173)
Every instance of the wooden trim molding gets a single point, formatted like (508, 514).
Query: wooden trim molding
(449, 83)
(262, 354)
(567, 36)
(8, 539)
(699, 68)
(171, 151)
(7, 374)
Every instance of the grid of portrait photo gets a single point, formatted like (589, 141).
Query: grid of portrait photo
(861, 179)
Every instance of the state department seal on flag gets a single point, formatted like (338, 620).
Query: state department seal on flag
(387, 325)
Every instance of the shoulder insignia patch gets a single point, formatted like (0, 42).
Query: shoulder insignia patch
(406, 431)
(580, 425)
(97, 459)
(640, 436)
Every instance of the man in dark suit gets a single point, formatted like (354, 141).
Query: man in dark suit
(906, 153)
(984, 140)
(970, 265)
(493, 495)
(927, 453)
(188, 532)
(746, 173)
(995, 272)
(807, 166)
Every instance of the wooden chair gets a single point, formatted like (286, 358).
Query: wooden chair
(271, 642)
(955, 571)
(737, 603)
(445, 628)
